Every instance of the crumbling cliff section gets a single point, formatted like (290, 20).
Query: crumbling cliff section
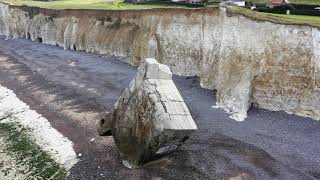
(273, 66)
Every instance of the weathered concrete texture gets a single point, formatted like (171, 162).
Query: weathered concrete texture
(270, 65)
(150, 118)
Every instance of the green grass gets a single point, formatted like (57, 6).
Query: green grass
(88, 4)
(313, 2)
(278, 18)
(120, 5)
(26, 153)
(268, 2)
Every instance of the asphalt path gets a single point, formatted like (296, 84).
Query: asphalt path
(73, 90)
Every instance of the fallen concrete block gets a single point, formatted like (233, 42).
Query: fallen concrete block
(150, 118)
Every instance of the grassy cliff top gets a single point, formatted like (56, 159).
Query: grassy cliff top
(313, 21)
(88, 4)
(310, 2)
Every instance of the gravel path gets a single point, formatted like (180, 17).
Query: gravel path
(73, 90)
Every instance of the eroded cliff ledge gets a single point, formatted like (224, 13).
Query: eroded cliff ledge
(273, 66)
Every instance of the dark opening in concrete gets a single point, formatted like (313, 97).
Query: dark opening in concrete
(39, 40)
(28, 36)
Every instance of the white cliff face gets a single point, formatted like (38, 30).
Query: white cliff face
(270, 65)
(273, 66)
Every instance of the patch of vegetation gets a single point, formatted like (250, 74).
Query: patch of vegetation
(268, 2)
(277, 18)
(295, 9)
(312, 2)
(177, 4)
(90, 4)
(260, 3)
(25, 152)
(121, 5)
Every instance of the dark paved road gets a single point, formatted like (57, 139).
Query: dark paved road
(73, 89)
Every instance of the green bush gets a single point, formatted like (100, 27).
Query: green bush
(305, 12)
(304, 6)
(293, 10)
(278, 9)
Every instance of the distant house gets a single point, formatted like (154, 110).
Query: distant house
(279, 2)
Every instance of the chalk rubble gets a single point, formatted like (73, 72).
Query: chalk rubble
(150, 118)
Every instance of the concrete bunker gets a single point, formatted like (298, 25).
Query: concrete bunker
(150, 119)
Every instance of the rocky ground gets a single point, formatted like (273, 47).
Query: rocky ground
(74, 89)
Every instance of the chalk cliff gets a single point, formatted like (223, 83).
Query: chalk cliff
(272, 66)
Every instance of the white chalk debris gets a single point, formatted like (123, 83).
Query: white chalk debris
(49, 139)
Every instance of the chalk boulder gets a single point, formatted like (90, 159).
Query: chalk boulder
(150, 118)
